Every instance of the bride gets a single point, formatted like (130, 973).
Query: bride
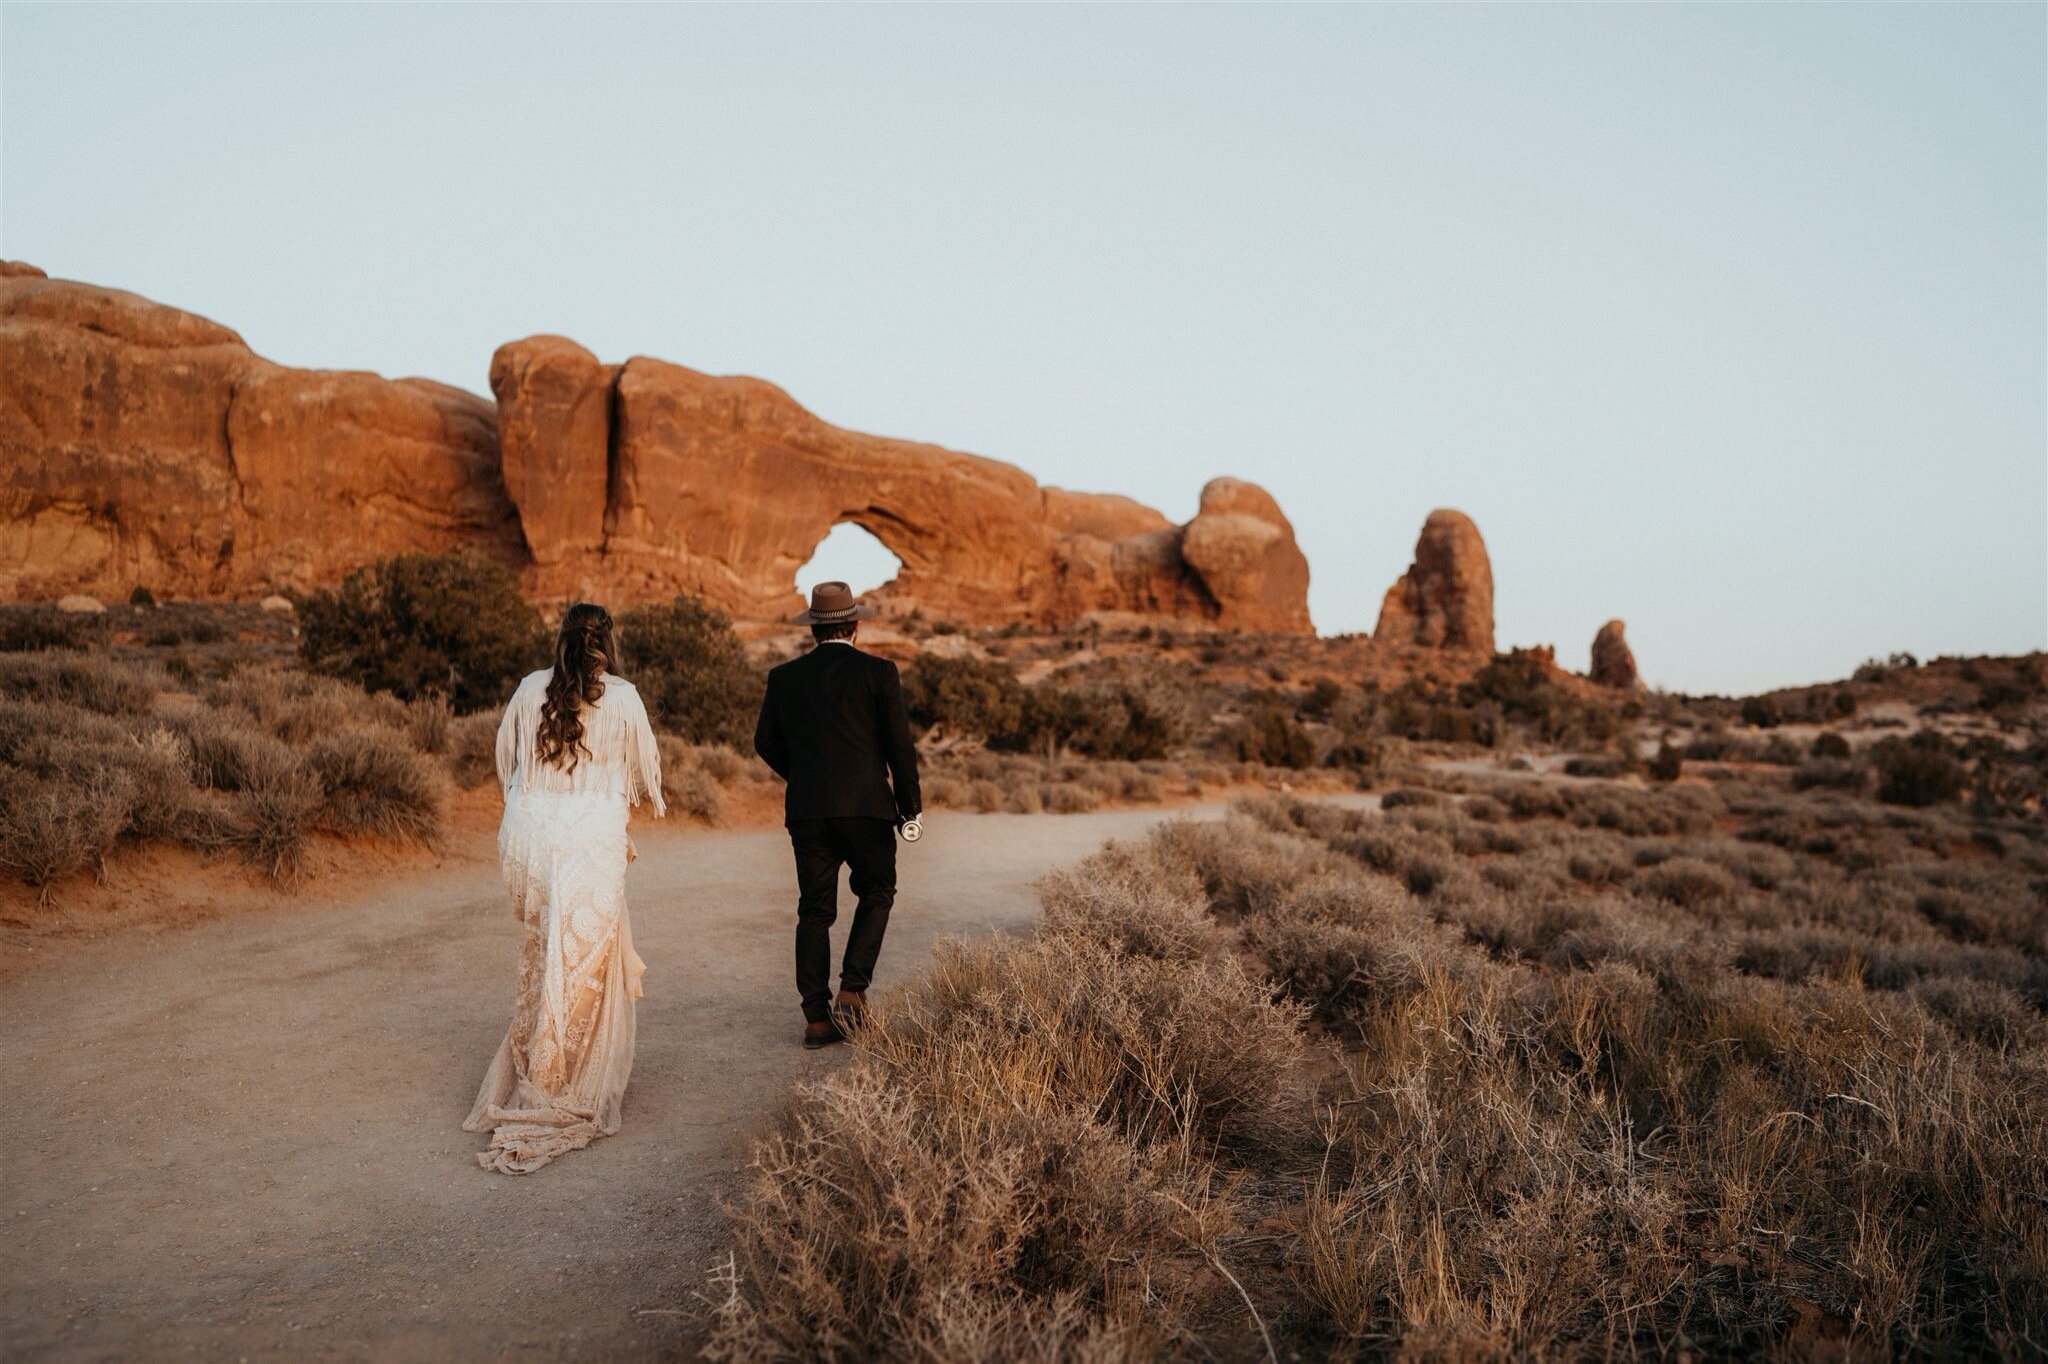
(575, 752)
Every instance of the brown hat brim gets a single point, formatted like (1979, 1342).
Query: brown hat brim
(858, 611)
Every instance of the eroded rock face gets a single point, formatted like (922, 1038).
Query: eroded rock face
(554, 438)
(142, 444)
(1614, 665)
(725, 486)
(1241, 547)
(1445, 599)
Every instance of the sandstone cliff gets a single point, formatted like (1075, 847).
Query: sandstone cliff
(142, 444)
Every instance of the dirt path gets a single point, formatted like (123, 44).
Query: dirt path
(241, 1139)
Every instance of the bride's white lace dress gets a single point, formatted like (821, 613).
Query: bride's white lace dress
(559, 1079)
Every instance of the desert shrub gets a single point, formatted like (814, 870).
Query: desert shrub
(1761, 712)
(87, 681)
(1688, 881)
(141, 596)
(1071, 798)
(418, 624)
(688, 785)
(1916, 771)
(185, 627)
(1668, 763)
(885, 1222)
(1321, 699)
(944, 792)
(1130, 718)
(373, 783)
(471, 751)
(163, 805)
(1828, 744)
(298, 707)
(53, 826)
(35, 628)
(427, 720)
(1271, 736)
(279, 809)
(1001, 1175)
(970, 696)
(225, 754)
(1834, 774)
(1846, 1044)
(1597, 765)
(1125, 895)
(691, 671)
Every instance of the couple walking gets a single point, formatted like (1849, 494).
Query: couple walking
(575, 753)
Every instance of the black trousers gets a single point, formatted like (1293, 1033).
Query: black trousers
(867, 848)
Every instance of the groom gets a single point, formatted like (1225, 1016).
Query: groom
(833, 727)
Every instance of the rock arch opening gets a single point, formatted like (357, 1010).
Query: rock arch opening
(850, 554)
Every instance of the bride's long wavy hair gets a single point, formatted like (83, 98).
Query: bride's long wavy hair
(584, 649)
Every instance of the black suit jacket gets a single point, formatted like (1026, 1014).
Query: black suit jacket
(832, 726)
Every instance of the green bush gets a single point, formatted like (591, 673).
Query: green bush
(1321, 699)
(1918, 771)
(1126, 719)
(1828, 744)
(185, 628)
(1668, 763)
(1762, 712)
(691, 671)
(420, 624)
(1273, 737)
(973, 696)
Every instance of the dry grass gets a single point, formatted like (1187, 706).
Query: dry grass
(1023, 1163)
(97, 748)
(1027, 783)
(1513, 1072)
(108, 745)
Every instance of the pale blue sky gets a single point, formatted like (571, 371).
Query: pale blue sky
(1725, 319)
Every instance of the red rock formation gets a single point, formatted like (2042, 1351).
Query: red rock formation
(141, 444)
(1614, 665)
(1445, 599)
(725, 487)
(554, 439)
(1242, 548)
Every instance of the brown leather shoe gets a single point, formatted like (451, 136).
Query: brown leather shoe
(850, 1010)
(822, 1033)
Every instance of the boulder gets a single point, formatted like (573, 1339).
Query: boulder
(277, 606)
(78, 604)
(1241, 548)
(1445, 599)
(1613, 664)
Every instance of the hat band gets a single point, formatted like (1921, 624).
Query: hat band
(843, 613)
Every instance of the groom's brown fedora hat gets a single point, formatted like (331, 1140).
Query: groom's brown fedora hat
(832, 604)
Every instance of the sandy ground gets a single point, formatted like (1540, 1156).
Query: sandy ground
(239, 1139)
